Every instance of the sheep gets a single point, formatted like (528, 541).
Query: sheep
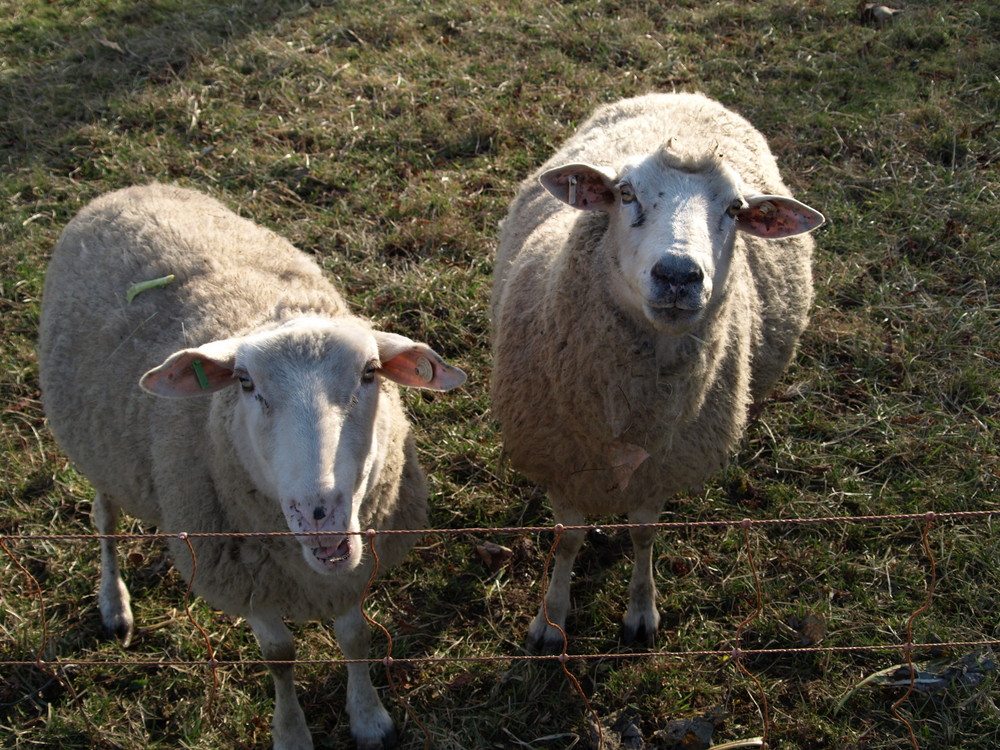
(234, 393)
(650, 284)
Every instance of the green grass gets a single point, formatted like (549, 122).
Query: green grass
(387, 138)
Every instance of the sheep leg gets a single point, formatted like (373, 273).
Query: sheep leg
(288, 726)
(116, 610)
(371, 724)
(542, 637)
(642, 618)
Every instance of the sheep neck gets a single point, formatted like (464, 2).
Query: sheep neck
(672, 372)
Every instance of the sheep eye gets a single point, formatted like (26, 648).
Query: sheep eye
(368, 376)
(735, 207)
(627, 193)
(246, 382)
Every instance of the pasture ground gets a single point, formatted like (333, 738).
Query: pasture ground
(387, 138)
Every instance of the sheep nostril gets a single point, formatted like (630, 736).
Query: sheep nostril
(318, 513)
(677, 272)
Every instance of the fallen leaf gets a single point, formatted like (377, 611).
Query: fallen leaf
(878, 14)
(625, 458)
(932, 676)
(495, 556)
(812, 630)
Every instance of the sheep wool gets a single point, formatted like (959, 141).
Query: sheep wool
(251, 369)
(651, 282)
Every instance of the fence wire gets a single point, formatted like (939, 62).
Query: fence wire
(55, 670)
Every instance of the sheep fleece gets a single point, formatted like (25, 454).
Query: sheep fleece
(574, 374)
(167, 461)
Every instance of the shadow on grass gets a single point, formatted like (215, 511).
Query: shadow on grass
(73, 64)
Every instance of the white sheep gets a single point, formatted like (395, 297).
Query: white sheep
(639, 308)
(264, 406)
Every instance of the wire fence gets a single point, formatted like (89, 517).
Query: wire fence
(55, 669)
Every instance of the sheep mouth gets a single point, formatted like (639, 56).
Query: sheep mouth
(671, 316)
(678, 303)
(332, 555)
(673, 308)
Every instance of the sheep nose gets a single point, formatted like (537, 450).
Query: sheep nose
(320, 511)
(677, 271)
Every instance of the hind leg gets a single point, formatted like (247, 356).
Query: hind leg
(116, 611)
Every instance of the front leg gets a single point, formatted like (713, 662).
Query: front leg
(113, 596)
(542, 637)
(642, 618)
(289, 723)
(371, 724)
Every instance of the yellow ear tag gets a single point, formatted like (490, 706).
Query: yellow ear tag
(425, 370)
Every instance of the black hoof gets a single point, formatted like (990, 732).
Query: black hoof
(546, 646)
(638, 636)
(121, 632)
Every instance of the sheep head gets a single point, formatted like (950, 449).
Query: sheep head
(305, 422)
(673, 223)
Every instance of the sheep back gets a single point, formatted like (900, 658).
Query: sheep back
(168, 462)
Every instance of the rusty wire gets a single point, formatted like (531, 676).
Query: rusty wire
(968, 515)
(563, 657)
(758, 608)
(737, 654)
(907, 647)
(387, 660)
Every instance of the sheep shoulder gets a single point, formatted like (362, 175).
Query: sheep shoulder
(574, 381)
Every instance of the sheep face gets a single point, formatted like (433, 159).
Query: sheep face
(306, 412)
(673, 223)
(305, 423)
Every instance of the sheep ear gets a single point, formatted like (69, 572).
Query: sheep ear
(582, 186)
(410, 363)
(193, 372)
(774, 216)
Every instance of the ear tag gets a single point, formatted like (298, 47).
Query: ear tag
(199, 372)
(425, 370)
(572, 190)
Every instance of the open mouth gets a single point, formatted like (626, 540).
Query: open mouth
(330, 555)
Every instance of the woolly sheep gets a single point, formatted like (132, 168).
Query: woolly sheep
(264, 406)
(640, 307)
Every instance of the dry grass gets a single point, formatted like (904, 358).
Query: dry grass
(387, 138)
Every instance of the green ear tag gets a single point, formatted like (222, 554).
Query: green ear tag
(199, 372)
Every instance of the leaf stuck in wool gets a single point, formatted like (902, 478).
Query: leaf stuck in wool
(142, 286)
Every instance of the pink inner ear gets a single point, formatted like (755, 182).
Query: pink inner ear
(422, 367)
(592, 192)
(579, 185)
(180, 376)
(775, 217)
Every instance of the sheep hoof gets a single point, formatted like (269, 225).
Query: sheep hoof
(550, 642)
(118, 623)
(386, 741)
(121, 632)
(638, 635)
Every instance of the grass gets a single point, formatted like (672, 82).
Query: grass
(387, 138)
